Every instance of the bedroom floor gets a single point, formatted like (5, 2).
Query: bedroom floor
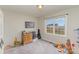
(36, 47)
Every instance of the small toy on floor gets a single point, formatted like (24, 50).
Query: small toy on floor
(60, 46)
(16, 42)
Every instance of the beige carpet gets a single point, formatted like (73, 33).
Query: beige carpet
(36, 47)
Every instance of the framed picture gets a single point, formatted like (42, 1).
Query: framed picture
(29, 24)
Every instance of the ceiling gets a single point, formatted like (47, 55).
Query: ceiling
(32, 10)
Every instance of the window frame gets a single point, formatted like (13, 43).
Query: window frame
(65, 17)
(46, 27)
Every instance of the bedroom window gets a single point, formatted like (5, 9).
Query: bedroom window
(56, 26)
(49, 26)
(60, 26)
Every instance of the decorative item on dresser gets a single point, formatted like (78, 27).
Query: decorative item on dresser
(26, 37)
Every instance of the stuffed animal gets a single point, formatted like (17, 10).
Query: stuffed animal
(68, 46)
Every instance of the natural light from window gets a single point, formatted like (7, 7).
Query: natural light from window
(55, 26)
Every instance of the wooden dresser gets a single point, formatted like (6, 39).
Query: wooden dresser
(26, 37)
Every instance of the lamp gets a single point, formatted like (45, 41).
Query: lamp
(39, 6)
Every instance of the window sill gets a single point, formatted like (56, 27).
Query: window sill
(56, 35)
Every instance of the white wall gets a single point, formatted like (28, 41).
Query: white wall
(14, 24)
(72, 23)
